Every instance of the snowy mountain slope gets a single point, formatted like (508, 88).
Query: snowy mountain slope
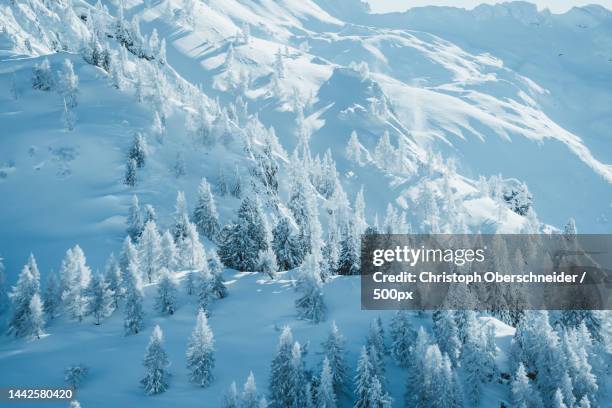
(452, 114)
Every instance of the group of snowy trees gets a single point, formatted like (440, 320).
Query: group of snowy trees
(199, 358)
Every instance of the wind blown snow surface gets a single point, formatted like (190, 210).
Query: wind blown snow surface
(317, 116)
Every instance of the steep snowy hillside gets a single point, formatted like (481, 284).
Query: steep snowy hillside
(274, 133)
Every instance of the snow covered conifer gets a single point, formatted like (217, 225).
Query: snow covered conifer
(76, 276)
(353, 149)
(326, 397)
(523, 394)
(114, 279)
(205, 214)
(267, 262)
(138, 150)
(35, 320)
(25, 322)
(202, 288)
(169, 252)
(286, 244)
(311, 305)
(348, 262)
(69, 84)
(181, 220)
(42, 78)
(165, 301)
(447, 337)
(150, 251)
(192, 252)
(134, 315)
(134, 220)
(249, 397)
(334, 348)
(129, 255)
(299, 393)
(130, 173)
(363, 380)
(281, 370)
(149, 214)
(35, 272)
(200, 352)
(100, 298)
(52, 298)
(217, 284)
(156, 363)
(231, 398)
(403, 338)
(241, 241)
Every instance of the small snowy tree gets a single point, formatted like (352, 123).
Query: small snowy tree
(217, 284)
(156, 363)
(75, 278)
(353, 149)
(100, 298)
(134, 220)
(52, 298)
(280, 371)
(249, 397)
(114, 279)
(75, 375)
(205, 214)
(326, 397)
(286, 244)
(169, 252)
(69, 84)
(523, 394)
(42, 78)
(231, 398)
(181, 220)
(134, 314)
(447, 335)
(335, 352)
(165, 301)
(363, 380)
(403, 337)
(150, 251)
(311, 305)
(138, 150)
(267, 262)
(130, 173)
(192, 252)
(36, 320)
(200, 352)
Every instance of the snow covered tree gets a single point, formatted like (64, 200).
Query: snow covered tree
(200, 352)
(249, 397)
(570, 228)
(114, 279)
(299, 394)
(236, 189)
(134, 220)
(349, 262)
(267, 262)
(334, 348)
(281, 370)
(100, 298)
(169, 252)
(221, 183)
(130, 178)
(440, 388)
(217, 284)
(149, 214)
(150, 251)
(165, 301)
(477, 359)
(156, 363)
(42, 78)
(311, 305)
(35, 272)
(205, 214)
(4, 298)
(75, 278)
(52, 298)
(241, 241)
(134, 314)
(286, 244)
(68, 84)
(231, 398)
(202, 288)
(181, 220)
(75, 375)
(591, 319)
(192, 252)
(415, 392)
(129, 255)
(403, 337)
(363, 380)
(447, 335)
(353, 149)
(326, 397)
(523, 394)
(138, 150)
